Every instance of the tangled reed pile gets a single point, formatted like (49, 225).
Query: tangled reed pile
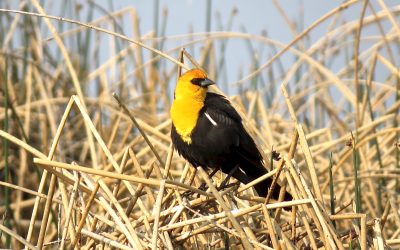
(77, 170)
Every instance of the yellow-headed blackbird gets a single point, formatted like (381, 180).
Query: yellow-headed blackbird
(207, 131)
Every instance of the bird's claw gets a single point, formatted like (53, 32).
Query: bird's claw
(202, 187)
(225, 185)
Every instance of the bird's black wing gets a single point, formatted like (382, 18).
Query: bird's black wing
(220, 133)
(219, 140)
(230, 138)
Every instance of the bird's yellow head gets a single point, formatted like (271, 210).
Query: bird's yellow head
(190, 93)
(193, 85)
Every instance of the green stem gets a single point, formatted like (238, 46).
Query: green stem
(332, 194)
(5, 155)
(395, 124)
(357, 183)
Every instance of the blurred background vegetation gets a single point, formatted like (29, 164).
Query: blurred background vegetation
(339, 66)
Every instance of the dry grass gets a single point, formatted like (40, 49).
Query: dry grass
(77, 170)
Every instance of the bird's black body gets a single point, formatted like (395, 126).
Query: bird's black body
(219, 140)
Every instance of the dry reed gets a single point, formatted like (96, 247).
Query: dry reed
(80, 172)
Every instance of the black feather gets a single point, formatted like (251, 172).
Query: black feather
(224, 145)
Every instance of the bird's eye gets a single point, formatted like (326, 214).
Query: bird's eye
(197, 81)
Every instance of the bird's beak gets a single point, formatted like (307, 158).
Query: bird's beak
(206, 82)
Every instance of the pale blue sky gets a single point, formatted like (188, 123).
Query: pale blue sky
(255, 16)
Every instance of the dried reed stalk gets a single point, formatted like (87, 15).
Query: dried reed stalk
(138, 194)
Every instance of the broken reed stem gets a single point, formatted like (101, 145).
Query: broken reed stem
(271, 229)
(25, 190)
(44, 175)
(256, 181)
(318, 218)
(72, 73)
(252, 240)
(67, 221)
(105, 240)
(46, 212)
(138, 192)
(156, 214)
(167, 165)
(274, 181)
(378, 239)
(385, 214)
(236, 225)
(133, 119)
(304, 146)
(363, 225)
(85, 214)
(150, 182)
(17, 237)
(235, 213)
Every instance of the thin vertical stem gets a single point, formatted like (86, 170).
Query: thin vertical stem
(331, 191)
(5, 155)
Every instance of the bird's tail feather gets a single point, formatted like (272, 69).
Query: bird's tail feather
(250, 171)
(263, 187)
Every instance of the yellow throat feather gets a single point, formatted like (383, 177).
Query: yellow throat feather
(189, 100)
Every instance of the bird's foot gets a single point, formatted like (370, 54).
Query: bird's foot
(226, 185)
(202, 187)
